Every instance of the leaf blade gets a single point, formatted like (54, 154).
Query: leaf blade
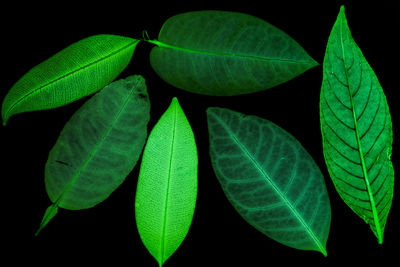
(225, 53)
(167, 186)
(356, 129)
(99, 145)
(260, 187)
(76, 71)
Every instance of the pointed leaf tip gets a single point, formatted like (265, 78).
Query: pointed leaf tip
(48, 215)
(342, 13)
(174, 101)
(324, 252)
(174, 104)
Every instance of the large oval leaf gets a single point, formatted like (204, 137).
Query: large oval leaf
(356, 129)
(225, 53)
(75, 72)
(167, 186)
(98, 147)
(270, 179)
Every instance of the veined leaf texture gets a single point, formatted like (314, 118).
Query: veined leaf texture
(204, 52)
(167, 186)
(98, 147)
(73, 73)
(270, 179)
(226, 53)
(356, 129)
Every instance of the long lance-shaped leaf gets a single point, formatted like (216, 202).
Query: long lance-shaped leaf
(75, 72)
(226, 53)
(167, 186)
(356, 129)
(98, 147)
(270, 179)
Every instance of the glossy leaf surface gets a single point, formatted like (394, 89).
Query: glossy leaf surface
(75, 72)
(270, 179)
(356, 129)
(98, 147)
(167, 187)
(225, 53)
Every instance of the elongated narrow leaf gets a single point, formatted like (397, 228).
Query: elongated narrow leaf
(270, 179)
(98, 147)
(225, 53)
(356, 129)
(76, 71)
(167, 187)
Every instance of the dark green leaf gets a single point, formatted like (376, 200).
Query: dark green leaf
(98, 147)
(270, 179)
(226, 53)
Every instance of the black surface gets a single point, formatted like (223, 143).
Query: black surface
(218, 235)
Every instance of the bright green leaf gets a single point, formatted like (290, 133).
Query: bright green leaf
(75, 72)
(270, 179)
(98, 147)
(226, 53)
(356, 129)
(167, 187)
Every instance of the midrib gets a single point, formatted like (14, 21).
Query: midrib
(161, 44)
(282, 196)
(360, 150)
(167, 193)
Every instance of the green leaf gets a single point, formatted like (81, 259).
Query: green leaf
(270, 179)
(167, 187)
(225, 53)
(98, 147)
(75, 72)
(356, 129)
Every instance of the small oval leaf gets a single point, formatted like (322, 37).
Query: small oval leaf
(167, 186)
(270, 179)
(98, 147)
(226, 53)
(73, 73)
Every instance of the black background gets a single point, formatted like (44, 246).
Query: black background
(218, 235)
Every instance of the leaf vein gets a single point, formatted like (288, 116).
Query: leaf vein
(334, 114)
(336, 134)
(372, 122)
(359, 83)
(70, 73)
(365, 106)
(341, 154)
(333, 92)
(251, 57)
(344, 169)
